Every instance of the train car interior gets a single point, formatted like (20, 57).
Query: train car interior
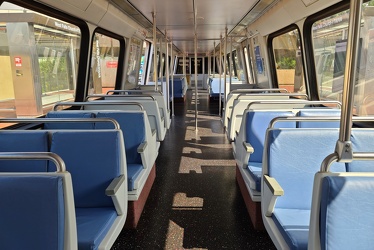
(196, 124)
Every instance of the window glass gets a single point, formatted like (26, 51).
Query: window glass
(133, 63)
(39, 57)
(287, 56)
(104, 65)
(238, 65)
(329, 47)
(143, 62)
(248, 65)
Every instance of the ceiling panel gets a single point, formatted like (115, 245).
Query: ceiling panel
(177, 18)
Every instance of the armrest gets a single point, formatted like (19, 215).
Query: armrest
(144, 154)
(272, 190)
(142, 147)
(154, 131)
(117, 189)
(248, 147)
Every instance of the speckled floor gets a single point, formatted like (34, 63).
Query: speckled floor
(195, 202)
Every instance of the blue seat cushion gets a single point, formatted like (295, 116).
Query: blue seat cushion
(256, 125)
(294, 226)
(133, 172)
(346, 219)
(318, 112)
(31, 212)
(70, 125)
(133, 129)
(93, 159)
(23, 141)
(92, 226)
(255, 170)
(362, 141)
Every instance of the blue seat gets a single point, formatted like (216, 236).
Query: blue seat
(37, 211)
(251, 149)
(342, 216)
(180, 87)
(23, 141)
(70, 114)
(318, 112)
(133, 129)
(362, 141)
(97, 163)
(287, 186)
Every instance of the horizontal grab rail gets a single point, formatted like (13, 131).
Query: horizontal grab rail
(133, 91)
(337, 103)
(103, 102)
(334, 157)
(245, 91)
(56, 159)
(315, 119)
(60, 120)
(273, 94)
(103, 96)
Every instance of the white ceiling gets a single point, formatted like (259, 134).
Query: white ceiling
(177, 18)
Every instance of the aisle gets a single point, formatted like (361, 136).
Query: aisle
(195, 201)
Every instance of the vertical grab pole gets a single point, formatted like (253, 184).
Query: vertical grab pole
(231, 62)
(343, 146)
(172, 80)
(220, 77)
(155, 78)
(214, 59)
(195, 81)
(167, 70)
(225, 69)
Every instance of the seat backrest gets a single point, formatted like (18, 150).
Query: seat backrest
(133, 129)
(362, 141)
(34, 211)
(150, 106)
(256, 124)
(23, 141)
(94, 158)
(346, 220)
(286, 160)
(240, 105)
(318, 112)
(70, 114)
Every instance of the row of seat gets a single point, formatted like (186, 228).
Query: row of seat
(139, 153)
(33, 205)
(288, 187)
(276, 175)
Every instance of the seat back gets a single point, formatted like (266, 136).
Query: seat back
(240, 105)
(256, 124)
(318, 112)
(133, 129)
(150, 106)
(341, 211)
(362, 141)
(23, 141)
(70, 114)
(37, 211)
(285, 160)
(94, 158)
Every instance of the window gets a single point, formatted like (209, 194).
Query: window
(104, 63)
(248, 64)
(39, 57)
(329, 47)
(134, 63)
(143, 61)
(288, 61)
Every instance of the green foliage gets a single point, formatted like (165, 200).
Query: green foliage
(53, 82)
(286, 63)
